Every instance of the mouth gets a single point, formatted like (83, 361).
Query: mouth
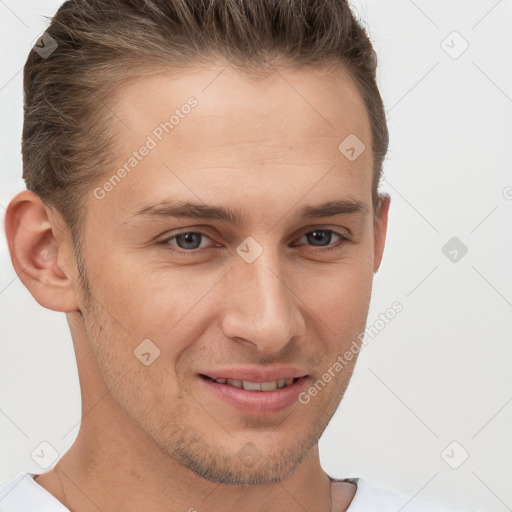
(255, 394)
(254, 386)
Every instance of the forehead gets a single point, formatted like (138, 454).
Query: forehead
(325, 99)
(283, 130)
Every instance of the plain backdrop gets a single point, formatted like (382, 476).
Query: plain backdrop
(434, 385)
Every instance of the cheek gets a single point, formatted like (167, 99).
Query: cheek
(145, 297)
(119, 351)
(338, 310)
(175, 304)
(170, 307)
(338, 294)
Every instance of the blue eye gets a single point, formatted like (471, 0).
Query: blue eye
(322, 237)
(190, 242)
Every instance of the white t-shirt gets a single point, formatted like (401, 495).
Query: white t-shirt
(24, 494)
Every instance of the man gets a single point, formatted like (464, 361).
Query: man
(203, 203)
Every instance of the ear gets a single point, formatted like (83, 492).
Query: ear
(380, 227)
(42, 252)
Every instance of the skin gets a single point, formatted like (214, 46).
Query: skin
(151, 437)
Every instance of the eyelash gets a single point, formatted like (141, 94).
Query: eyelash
(166, 245)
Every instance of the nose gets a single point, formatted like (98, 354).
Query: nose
(260, 308)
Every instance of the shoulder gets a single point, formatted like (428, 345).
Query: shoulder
(370, 496)
(24, 494)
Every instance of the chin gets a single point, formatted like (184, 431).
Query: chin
(250, 465)
(236, 472)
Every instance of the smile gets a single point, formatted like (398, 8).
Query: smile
(255, 393)
(255, 386)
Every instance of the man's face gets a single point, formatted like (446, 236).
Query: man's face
(271, 296)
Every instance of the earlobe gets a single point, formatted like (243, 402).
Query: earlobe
(41, 252)
(380, 229)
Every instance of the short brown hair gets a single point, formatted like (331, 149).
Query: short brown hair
(67, 141)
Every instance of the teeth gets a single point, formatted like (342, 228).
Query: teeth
(252, 386)
(257, 386)
(269, 386)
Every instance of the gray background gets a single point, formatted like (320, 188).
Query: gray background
(440, 371)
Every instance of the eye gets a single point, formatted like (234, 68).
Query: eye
(188, 241)
(323, 238)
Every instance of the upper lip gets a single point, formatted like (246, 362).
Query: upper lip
(256, 374)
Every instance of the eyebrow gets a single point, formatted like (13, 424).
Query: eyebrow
(187, 209)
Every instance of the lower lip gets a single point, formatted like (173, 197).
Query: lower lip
(257, 402)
